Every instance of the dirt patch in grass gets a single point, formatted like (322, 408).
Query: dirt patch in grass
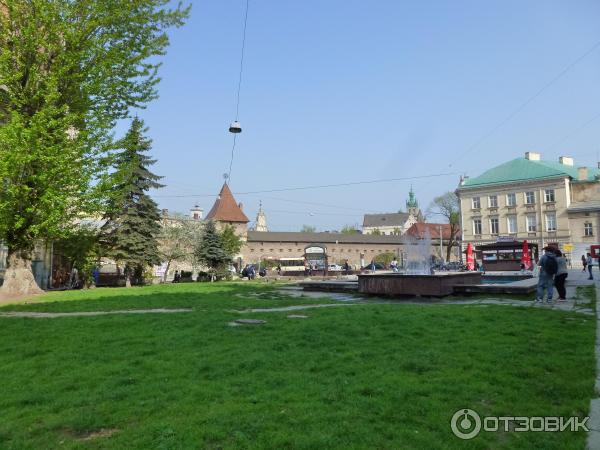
(90, 435)
(6, 299)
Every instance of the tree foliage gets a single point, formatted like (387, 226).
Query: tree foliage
(81, 248)
(232, 243)
(211, 251)
(132, 219)
(385, 258)
(349, 229)
(68, 71)
(177, 240)
(308, 229)
(447, 206)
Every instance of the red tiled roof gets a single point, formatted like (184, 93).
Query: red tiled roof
(226, 209)
(418, 230)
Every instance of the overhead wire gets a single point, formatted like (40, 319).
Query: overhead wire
(239, 88)
(574, 131)
(323, 186)
(525, 103)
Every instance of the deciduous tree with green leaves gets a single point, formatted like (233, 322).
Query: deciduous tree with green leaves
(132, 219)
(177, 240)
(349, 229)
(232, 243)
(81, 247)
(69, 70)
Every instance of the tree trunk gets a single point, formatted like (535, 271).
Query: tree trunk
(449, 250)
(166, 271)
(18, 278)
(128, 281)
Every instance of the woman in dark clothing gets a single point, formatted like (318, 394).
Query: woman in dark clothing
(561, 275)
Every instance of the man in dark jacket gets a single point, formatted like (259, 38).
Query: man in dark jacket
(548, 266)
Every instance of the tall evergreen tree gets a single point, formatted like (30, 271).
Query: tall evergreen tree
(211, 250)
(132, 218)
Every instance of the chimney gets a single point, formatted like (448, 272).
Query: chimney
(566, 161)
(241, 205)
(582, 173)
(532, 156)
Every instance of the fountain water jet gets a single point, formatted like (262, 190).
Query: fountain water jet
(418, 279)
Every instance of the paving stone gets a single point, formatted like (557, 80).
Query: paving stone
(249, 321)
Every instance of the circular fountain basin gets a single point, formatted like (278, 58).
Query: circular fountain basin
(398, 285)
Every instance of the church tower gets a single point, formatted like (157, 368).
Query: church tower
(261, 220)
(196, 213)
(412, 206)
(226, 211)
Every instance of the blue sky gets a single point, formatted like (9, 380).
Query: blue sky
(341, 91)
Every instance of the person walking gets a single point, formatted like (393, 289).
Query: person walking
(561, 276)
(394, 265)
(590, 265)
(584, 262)
(548, 268)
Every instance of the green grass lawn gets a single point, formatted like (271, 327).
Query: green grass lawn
(360, 377)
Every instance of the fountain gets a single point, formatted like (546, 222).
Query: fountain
(417, 254)
(418, 278)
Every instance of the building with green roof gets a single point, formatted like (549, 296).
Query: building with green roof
(533, 199)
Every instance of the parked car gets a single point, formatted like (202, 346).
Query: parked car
(335, 268)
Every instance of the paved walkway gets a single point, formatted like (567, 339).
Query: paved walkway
(593, 441)
(293, 308)
(48, 315)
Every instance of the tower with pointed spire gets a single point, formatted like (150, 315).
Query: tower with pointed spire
(226, 211)
(412, 206)
(261, 220)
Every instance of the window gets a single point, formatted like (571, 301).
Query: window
(511, 199)
(550, 222)
(476, 203)
(493, 201)
(587, 229)
(512, 224)
(531, 223)
(476, 226)
(494, 225)
(530, 198)
(549, 195)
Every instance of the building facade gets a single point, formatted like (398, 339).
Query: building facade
(531, 199)
(390, 224)
(357, 249)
